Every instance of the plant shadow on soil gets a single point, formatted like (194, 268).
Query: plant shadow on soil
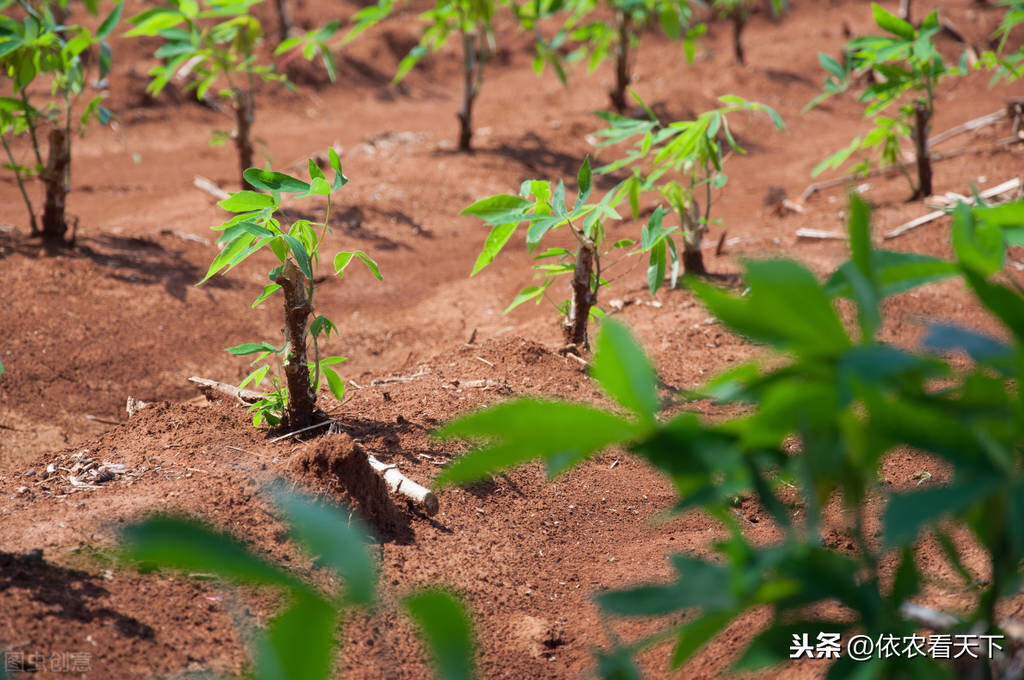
(66, 593)
(352, 220)
(129, 259)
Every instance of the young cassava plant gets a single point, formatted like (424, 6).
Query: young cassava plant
(1006, 64)
(260, 223)
(473, 22)
(40, 49)
(847, 399)
(300, 643)
(683, 162)
(738, 13)
(598, 39)
(216, 45)
(544, 210)
(909, 64)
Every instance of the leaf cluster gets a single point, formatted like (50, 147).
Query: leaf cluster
(218, 39)
(543, 208)
(904, 61)
(258, 222)
(844, 399)
(447, 17)
(37, 46)
(584, 36)
(691, 150)
(1005, 65)
(300, 643)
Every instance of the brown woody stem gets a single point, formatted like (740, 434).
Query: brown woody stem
(922, 123)
(244, 111)
(301, 399)
(472, 75)
(55, 180)
(693, 238)
(583, 296)
(618, 94)
(738, 23)
(284, 20)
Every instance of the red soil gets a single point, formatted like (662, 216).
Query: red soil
(119, 316)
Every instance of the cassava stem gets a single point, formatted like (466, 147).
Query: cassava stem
(583, 296)
(55, 179)
(301, 399)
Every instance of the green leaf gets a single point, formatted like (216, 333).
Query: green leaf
(151, 22)
(528, 429)
(251, 348)
(245, 201)
(656, 267)
(617, 665)
(444, 623)
(269, 180)
(907, 513)
(314, 170)
(180, 543)
(1005, 215)
(338, 541)
(786, 307)
(267, 292)
(525, 295)
(695, 635)
(496, 240)
(334, 382)
(896, 272)
(342, 260)
(301, 256)
(978, 245)
(623, 370)
(298, 644)
(1001, 301)
(318, 186)
(500, 209)
(584, 182)
(865, 286)
(339, 177)
(646, 600)
(892, 23)
(980, 348)
(107, 27)
(233, 252)
(907, 581)
(256, 377)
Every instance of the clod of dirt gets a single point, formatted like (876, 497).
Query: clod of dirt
(537, 636)
(338, 466)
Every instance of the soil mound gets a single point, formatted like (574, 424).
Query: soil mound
(337, 466)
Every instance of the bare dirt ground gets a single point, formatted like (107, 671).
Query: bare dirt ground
(119, 316)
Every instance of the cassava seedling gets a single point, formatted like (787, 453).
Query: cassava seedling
(847, 400)
(738, 13)
(300, 643)
(908, 62)
(472, 21)
(599, 39)
(217, 44)
(1006, 65)
(260, 223)
(690, 149)
(544, 209)
(40, 48)
(210, 43)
